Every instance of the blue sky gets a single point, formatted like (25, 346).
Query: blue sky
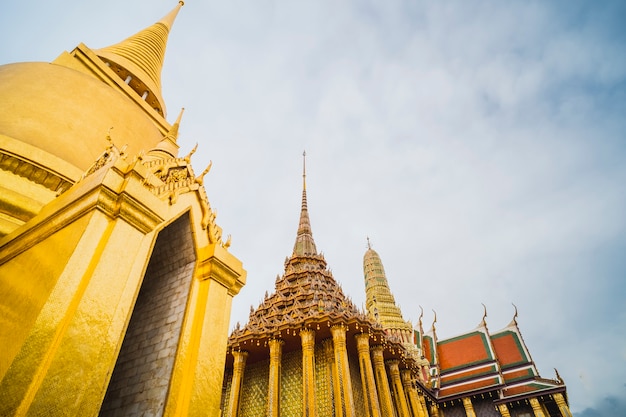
(480, 145)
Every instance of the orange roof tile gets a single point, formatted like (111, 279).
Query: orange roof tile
(468, 374)
(508, 347)
(462, 351)
(519, 374)
(473, 386)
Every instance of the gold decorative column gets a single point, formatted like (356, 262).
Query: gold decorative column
(469, 407)
(329, 363)
(434, 410)
(411, 392)
(273, 396)
(394, 373)
(370, 397)
(308, 372)
(235, 386)
(563, 407)
(504, 410)
(344, 403)
(384, 393)
(534, 403)
(423, 404)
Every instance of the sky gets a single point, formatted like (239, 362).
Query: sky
(479, 145)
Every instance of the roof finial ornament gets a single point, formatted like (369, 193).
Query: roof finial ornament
(304, 169)
(369, 244)
(304, 241)
(421, 315)
(514, 321)
(434, 320)
(483, 322)
(558, 377)
(172, 134)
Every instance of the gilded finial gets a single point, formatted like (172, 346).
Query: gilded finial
(200, 178)
(558, 377)
(482, 321)
(191, 152)
(434, 320)
(173, 132)
(514, 321)
(421, 315)
(304, 169)
(369, 244)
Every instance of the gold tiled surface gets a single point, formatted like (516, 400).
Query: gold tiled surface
(357, 386)
(254, 390)
(291, 384)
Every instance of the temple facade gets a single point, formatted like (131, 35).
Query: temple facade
(307, 350)
(115, 282)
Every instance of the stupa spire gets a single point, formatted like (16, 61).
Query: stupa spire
(304, 240)
(139, 59)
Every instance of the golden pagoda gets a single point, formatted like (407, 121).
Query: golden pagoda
(477, 373)
(115, 283)
(380, 303)
(308, 351)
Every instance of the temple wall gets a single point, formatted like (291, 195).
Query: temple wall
(254, 390)
(485, 407)
(457, 411)
(357, 386)
(142, 374)
(291, 384)
(255, 384)
(323, 383)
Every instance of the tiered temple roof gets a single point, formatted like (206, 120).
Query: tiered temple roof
(479, 361)
(306, 296)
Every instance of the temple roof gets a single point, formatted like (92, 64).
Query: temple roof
(141, 57)
(479, 361)
(305, 296)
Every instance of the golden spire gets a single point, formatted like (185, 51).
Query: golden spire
(379, 301)
(139, 59)
(168, 146)
(304, 240)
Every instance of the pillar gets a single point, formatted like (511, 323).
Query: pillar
(329, 364)
(411, 391)
(504, 410)
(423, 404)
(434, 410)
(370, 397)
(384, 393)
(394, 373)
(307, 337)
(563, 407)
(273, 397)
(469, 407)
(344, 402)
(537, 410)
(236, 383)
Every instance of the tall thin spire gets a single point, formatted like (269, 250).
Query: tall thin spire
(139, 59)
(304, 240)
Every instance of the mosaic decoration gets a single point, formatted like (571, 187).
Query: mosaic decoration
(291, 384)
(254, 392)
(357, 386)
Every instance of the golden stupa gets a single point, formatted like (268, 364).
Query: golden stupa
(115, 283)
